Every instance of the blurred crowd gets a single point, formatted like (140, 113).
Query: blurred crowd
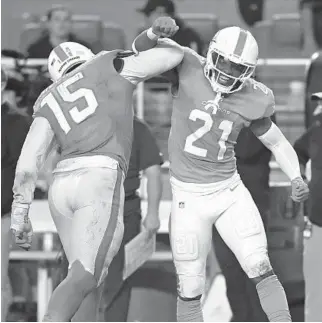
(21, 85)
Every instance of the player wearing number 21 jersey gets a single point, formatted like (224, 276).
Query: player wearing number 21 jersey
(215, 98)
(87, 112)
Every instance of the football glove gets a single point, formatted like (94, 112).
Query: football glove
(300, 190)
(21, 226)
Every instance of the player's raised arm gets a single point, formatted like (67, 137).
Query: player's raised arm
(150, 63)
(153, 56)
(272, 137)
(38, 144)
(162, 27)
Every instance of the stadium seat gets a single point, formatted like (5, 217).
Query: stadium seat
(31, 32)
(287, 35)
(113, 37)
(310, 45)
(86, 27)
(89, 28)
(280, 37)
(261, 32)
(206, 25)
(225, 24)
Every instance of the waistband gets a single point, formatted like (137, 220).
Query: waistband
(71, 164)
(207, 187)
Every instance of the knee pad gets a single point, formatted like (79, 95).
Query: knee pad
(190, 287)
(257, 264)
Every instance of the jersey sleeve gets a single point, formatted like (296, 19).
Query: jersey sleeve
(43, 111)
(263, 122)
(38, 143)
(38, 109)
(269, 104)
(147, 64)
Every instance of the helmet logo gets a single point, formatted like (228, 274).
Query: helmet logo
(68, 51)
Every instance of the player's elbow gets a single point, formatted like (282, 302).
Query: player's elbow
(24, 175)
(177, 54)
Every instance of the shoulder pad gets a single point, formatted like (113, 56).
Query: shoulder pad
(263, 95)
(37, 105)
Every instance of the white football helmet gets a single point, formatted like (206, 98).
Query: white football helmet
(231, 59)
(66, 55)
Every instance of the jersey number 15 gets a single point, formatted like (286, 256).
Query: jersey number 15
(70, 97)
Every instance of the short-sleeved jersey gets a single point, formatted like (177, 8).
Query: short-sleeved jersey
(204, 132)
(90, 111)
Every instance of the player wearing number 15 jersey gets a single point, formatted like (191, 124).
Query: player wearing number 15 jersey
(215, 98)
(87, 112)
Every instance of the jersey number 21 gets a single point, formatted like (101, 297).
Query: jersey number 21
(67, 96)
(225, 126)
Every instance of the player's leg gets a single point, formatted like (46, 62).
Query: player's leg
(115, 300)
(312, 266)
(190, 234)
(242, 229)
(235, 280)
(93, 238)
(88, 310)
(59, 194)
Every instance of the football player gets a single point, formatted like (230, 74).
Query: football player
(215, 98)
(87, 112)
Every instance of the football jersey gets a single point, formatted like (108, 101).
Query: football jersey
(204, 132)
(90, 111)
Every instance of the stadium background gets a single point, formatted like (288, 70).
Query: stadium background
(283, 67)
(123, 12)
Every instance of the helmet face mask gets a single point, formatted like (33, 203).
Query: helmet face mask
(64, 57)
(228, 63)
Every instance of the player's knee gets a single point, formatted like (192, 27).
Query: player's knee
(257, 265)
(190, 287)
(81, 280)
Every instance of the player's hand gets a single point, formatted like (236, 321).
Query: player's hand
(165, 27)
(21, 226)
(151, 223)
(300, 190)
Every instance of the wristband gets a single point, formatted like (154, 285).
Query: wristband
(151, 35)
(19, 215)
